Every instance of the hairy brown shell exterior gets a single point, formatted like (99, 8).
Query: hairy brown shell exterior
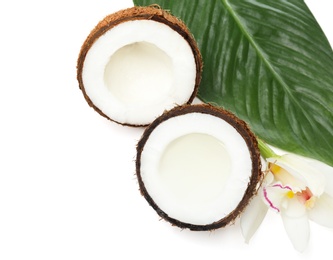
(153, 13)
(241, 127)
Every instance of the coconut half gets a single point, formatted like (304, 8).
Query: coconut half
(137, 63)
(198, 166)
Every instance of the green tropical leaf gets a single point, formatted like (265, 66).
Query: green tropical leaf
(269, 62)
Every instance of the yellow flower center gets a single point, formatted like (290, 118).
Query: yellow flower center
(290, 194)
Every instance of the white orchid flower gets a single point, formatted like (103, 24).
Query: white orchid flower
(297, 189)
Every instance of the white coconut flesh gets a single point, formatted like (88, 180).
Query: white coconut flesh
(196, 167)
(138, 69)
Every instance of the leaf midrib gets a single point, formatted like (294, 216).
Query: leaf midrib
(264, 59)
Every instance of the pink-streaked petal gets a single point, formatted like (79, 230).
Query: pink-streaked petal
(296, 224)
(274, 195)
(303, 172)
(322, 212)
(252, 217)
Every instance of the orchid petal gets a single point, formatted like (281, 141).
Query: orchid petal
(322, 212)
(296, 224)
(327, 171)
(252, 217)
(274, 195)
(269, 178)
(285, 177)
(329, 183)
(303, 171)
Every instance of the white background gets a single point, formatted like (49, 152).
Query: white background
(67, 177)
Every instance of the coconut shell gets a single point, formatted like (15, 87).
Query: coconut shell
(153, 13)
(251, 141)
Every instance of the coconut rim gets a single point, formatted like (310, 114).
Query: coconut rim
(250, 139)
(153, 13)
